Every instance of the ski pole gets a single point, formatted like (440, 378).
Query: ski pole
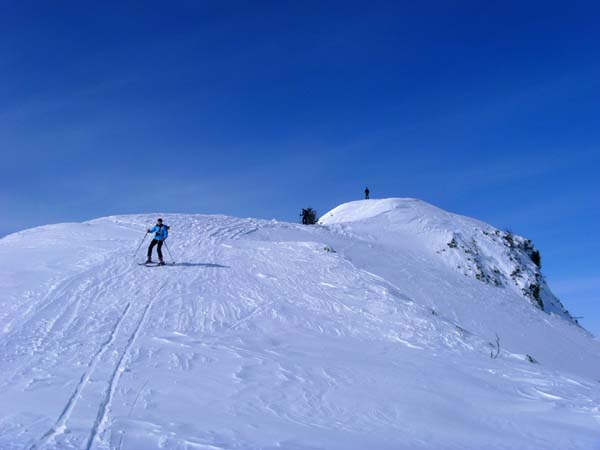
(140, 246)
(167, 247)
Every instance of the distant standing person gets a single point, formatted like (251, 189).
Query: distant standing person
(367, 192)
(161, 232)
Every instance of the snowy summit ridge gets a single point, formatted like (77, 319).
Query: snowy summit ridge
(390, 325)
(473, 247)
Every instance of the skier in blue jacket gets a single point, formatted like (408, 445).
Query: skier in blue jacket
(161, 232)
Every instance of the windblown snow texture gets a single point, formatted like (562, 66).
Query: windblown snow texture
(373, 330)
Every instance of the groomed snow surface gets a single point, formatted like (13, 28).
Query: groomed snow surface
(359, 333)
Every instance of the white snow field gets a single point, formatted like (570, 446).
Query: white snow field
(372, 330)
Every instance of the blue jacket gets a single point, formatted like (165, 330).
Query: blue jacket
(160, 233)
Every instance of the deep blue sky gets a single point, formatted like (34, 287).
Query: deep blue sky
(489, 109)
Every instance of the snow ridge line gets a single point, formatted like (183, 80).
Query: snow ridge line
(59, 425)
(99, 423)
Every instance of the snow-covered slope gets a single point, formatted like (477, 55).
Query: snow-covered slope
(360, 333)
(472, 247)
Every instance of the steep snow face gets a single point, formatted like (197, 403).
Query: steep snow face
(473, 248)
(354, 334)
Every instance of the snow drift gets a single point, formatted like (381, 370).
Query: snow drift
(372, 330)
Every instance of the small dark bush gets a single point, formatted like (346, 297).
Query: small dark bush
(309, 216)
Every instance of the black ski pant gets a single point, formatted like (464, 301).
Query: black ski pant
(158, 244)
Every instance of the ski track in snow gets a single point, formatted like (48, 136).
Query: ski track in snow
(62, 318)
(60, 425)
(101, 421)
(260, 338)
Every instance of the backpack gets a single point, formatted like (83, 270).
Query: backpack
(163, 232)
